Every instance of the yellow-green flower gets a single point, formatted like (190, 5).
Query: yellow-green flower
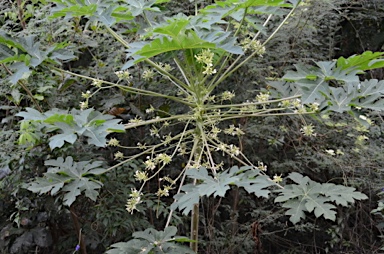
(308, 130)
(148, 74)
(113, 142)
(141, 176)
(277, 178)
(97, 83)
(119, 155)
(227, 95)
(150, 164)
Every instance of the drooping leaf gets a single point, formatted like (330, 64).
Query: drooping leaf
(184, 202)
(217, 186)
(247, 177)
(253, 182)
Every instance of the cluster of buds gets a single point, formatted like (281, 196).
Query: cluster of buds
(231, 149)
(254, 45)
(234, 131)
(124, 75)
(133, 201)
(151, 163)
(86, 96)
(206, 57)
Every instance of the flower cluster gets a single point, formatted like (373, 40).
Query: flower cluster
(84, 105)
(97, 83)
(141, 176)
(124, 75)
(119, 155)
(133, 201)
(148, 74)
(254, 45)
(231, 149)
(308, 130)
(262, 97)
(165, 66)
(151, 163)
(113, 142)
(206, 57)
(234, 131)
(227, 95)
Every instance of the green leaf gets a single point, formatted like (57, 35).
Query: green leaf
(247, 177)
(366, 61)
(184, 202)
(342, 195)
(349, 93)
(68, 135)
(253, 182)
(152, 241)
(217, 186)
(89, 123)
(185, 41)
(175, 29)
(71, 190)
(340, 100)
(295, 210)
(31, 114)
(54, 183)
(74, 11)
(58, 140)
(309, 196)
(60, 118)
(69, 178)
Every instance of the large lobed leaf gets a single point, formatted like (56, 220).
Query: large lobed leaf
(70, 178)
(152, 241)
(336, 85)
(250, 179)
(309, 196)
(29, 54)
(69, 126)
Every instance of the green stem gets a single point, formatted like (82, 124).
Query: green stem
(126, 88)
(152, 121)
(252, 103)
(195, 209)
(235, 67)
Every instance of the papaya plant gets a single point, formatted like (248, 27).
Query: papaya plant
(196, 55)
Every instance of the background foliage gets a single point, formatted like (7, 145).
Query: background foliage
(343, 152)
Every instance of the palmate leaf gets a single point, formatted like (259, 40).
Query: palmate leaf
(69, 178)
(183, 33)
(185, 200)
(247, 177)
(340, 100)
(187, 40)
(42, 185)
(309, 196)
(89, 123)
(253, 182)
(217, 186)
(27, 56)
(367, 94)
(313, 84)
(152, 241)
(366, 61)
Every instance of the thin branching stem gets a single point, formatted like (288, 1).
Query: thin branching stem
(235, 65)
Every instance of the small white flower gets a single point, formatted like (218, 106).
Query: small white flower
(330, 152)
